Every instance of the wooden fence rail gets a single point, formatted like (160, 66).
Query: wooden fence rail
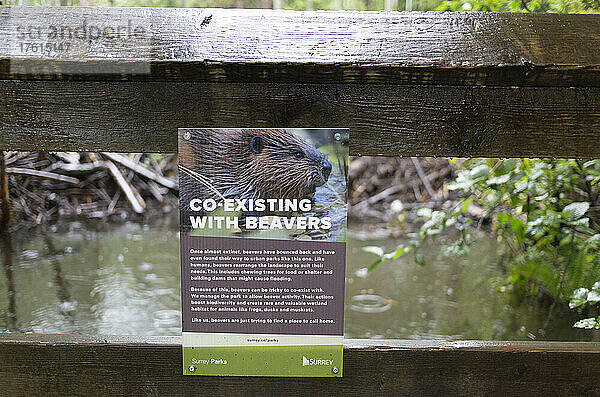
(427, 84)
(108, 366)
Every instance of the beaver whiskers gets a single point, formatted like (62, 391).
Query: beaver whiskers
(205, 181)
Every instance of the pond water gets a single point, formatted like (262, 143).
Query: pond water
(124, 279)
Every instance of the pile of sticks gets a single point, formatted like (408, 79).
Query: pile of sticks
(46, 186)
(376, 182)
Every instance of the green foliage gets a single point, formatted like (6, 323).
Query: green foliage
(541, 210)
(545, 212)
(397, 253)
(583, 297)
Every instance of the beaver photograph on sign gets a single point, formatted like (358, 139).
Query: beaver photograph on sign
(264, 183)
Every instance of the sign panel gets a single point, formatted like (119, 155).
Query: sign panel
(263, 250)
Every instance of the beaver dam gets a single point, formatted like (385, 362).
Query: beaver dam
(45, 187)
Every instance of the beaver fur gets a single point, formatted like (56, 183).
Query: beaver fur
(249, 164)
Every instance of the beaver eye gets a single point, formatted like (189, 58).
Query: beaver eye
(298, 154)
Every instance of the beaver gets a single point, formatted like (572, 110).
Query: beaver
(249, 164)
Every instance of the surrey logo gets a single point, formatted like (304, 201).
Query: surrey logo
(315, 361)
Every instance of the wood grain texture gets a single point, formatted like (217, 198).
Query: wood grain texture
(384, 119)
(305, 47)
(147, 366)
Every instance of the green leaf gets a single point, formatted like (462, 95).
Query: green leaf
(503, 217)
(590, 163)
(426, 227)
(449, 222)
(466, 204)
(397, 253)
(578, 298)
(594, 239)
(582, 222)
(516, 176)
(420, 259)
(576, 210)
(375, 264)
(498, 180)
(510, 164)
(424, 212)
(372, 249)
(588, 323)
(481, 171)
(466, 179)
(593, 296)
(536, 174)
(520, 186)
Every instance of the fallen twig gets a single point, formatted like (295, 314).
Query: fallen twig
(75, 168)
(130, 192)
(44, 175)
(423, 177)
(155, 190)
(142, 170)
(69, 157)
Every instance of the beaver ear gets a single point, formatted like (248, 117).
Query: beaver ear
(257, 144)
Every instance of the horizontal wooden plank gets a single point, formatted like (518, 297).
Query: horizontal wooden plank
(349, 344)
(303, 47)
(384, 119)
(151, 366)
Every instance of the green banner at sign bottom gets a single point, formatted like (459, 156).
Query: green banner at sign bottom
(304, 361)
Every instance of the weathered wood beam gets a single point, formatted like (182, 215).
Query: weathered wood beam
(384, 119)
(414, 84)
(112, 365)
(304, 47)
